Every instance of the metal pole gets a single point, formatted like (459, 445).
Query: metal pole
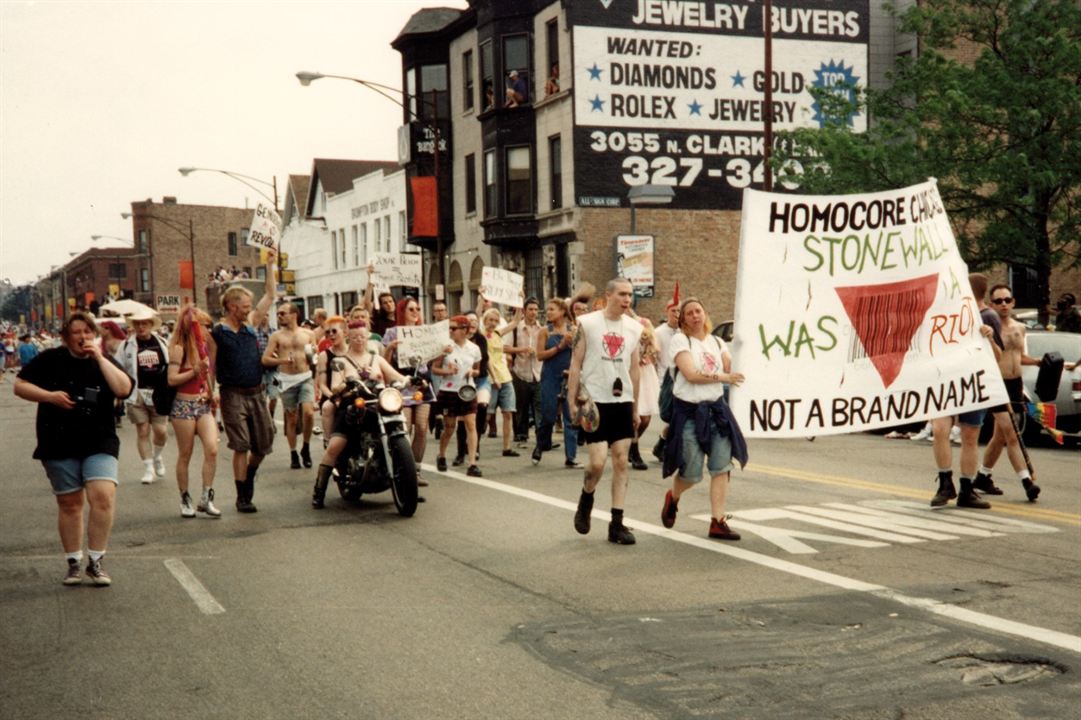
(767, 153)
(435, 174)
(191, 247)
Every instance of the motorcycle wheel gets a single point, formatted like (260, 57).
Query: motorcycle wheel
(403, 485)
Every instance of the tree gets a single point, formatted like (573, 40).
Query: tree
(991, 107)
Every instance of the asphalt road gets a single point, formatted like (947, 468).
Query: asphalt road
(848, 597)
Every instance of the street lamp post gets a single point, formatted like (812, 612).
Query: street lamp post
(240, 177)
(191, 247)
(306, 79)
(645, 195)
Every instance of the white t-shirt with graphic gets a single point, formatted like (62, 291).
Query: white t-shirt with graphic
(707, 356)
(464, 356)
(610, 346)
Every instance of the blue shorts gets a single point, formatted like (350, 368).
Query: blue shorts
(973, 418)
(503, 398)
(720, 454)
(71, 474)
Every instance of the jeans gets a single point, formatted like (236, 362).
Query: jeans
(549, 402)
(527, 400)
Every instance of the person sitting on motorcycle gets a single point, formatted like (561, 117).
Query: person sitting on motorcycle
(334, 330)
(356, 363)
(416, 411)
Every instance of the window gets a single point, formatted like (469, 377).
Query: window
(144, 241)
(533, 277)
(144, 279)
(487, 74)
(260, 272)
(244, 236)
(489, 183)
(313, 303)
(364, 243)
(434, 78)
(551, 30)
(356, 247)
(519, 181)
(403, 234)
(247, 271)
(555, 171)
(341, 247)
(334, 248)
(232, 243)
(349, 300)
(470, 184)
(411, 89)
(377, 229)
(516, 67)
(386, 233)
(467, 80)
(118, 270)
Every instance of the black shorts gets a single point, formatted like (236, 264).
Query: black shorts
(454, 406)
(1015, 390)
(616, 423)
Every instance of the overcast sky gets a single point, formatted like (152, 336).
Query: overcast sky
(101, 102)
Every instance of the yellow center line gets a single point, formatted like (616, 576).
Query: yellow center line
(996, 506)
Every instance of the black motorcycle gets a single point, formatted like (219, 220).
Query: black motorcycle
(378, 455)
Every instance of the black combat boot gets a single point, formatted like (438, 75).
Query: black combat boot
(969, 498)
(322, 479)
(946, 491)
(636, 458)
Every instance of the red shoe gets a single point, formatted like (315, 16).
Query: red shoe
(719, 530)
(668, 512)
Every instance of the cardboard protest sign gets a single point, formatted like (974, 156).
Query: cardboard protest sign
(421, 343)
(396, 269)
(634, 261)
(167, 303)
(854, 312)
(502, 286)
(266, 227)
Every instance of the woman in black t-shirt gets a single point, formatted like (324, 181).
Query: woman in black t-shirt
(75, 386)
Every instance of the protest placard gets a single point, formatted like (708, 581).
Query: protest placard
(854, 312)
(502, 286)
(266, 227)
(396, 269)
(420, 343)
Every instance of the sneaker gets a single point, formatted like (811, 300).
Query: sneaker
(74, 575)
(186, 509)
(572, 464)
(668, 511)
(619, 534)
(458, 460)
(441, 464)
(986, 485)
(474, 471)
(294, 460)
(206, 504)
(97, 573)
(148, 475)
(582, 515)
(1032, 490)
(955, 435)
(536, 456)
(719, 530)
(317, 430)
(923, 435)
(511, 453)
(159, 468)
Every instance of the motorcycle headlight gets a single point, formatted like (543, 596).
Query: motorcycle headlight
(390, 400)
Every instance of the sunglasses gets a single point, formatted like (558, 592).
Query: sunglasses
(1002, 301)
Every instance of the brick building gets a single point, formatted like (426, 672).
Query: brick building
(168, 233)
(100, 274)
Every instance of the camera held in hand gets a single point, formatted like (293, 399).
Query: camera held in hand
(86, 400)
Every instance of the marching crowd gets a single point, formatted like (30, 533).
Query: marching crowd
(592, 369)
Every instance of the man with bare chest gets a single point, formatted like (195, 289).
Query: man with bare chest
(288, 351)
(1010, 361)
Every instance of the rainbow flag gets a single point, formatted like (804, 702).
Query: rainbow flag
(1044, 413)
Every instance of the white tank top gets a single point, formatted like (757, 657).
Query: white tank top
(610, 346)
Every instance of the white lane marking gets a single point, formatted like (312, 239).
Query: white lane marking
(970, 617)
(995, 523)
(195, 589)
(785, 538)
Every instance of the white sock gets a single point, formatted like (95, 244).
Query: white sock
(95, 555)
(157, 451)
(1025, 474)
(985, 470)
(77, 556)
(149, 463)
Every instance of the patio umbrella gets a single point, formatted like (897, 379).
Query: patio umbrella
(120, 308)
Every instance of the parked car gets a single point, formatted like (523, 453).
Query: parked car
(723, 330)
(1068, 401)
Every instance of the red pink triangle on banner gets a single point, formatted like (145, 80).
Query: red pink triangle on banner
(886, 318)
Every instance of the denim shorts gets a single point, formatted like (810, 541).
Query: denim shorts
(302, 392)
(720, 454)
(974, 418)
(503, 398)
(71, 474)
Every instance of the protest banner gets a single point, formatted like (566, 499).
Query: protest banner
(266, 227)
(854, 312)
(502, 286)
(421, 343)
(634, 261)
(396, 269)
